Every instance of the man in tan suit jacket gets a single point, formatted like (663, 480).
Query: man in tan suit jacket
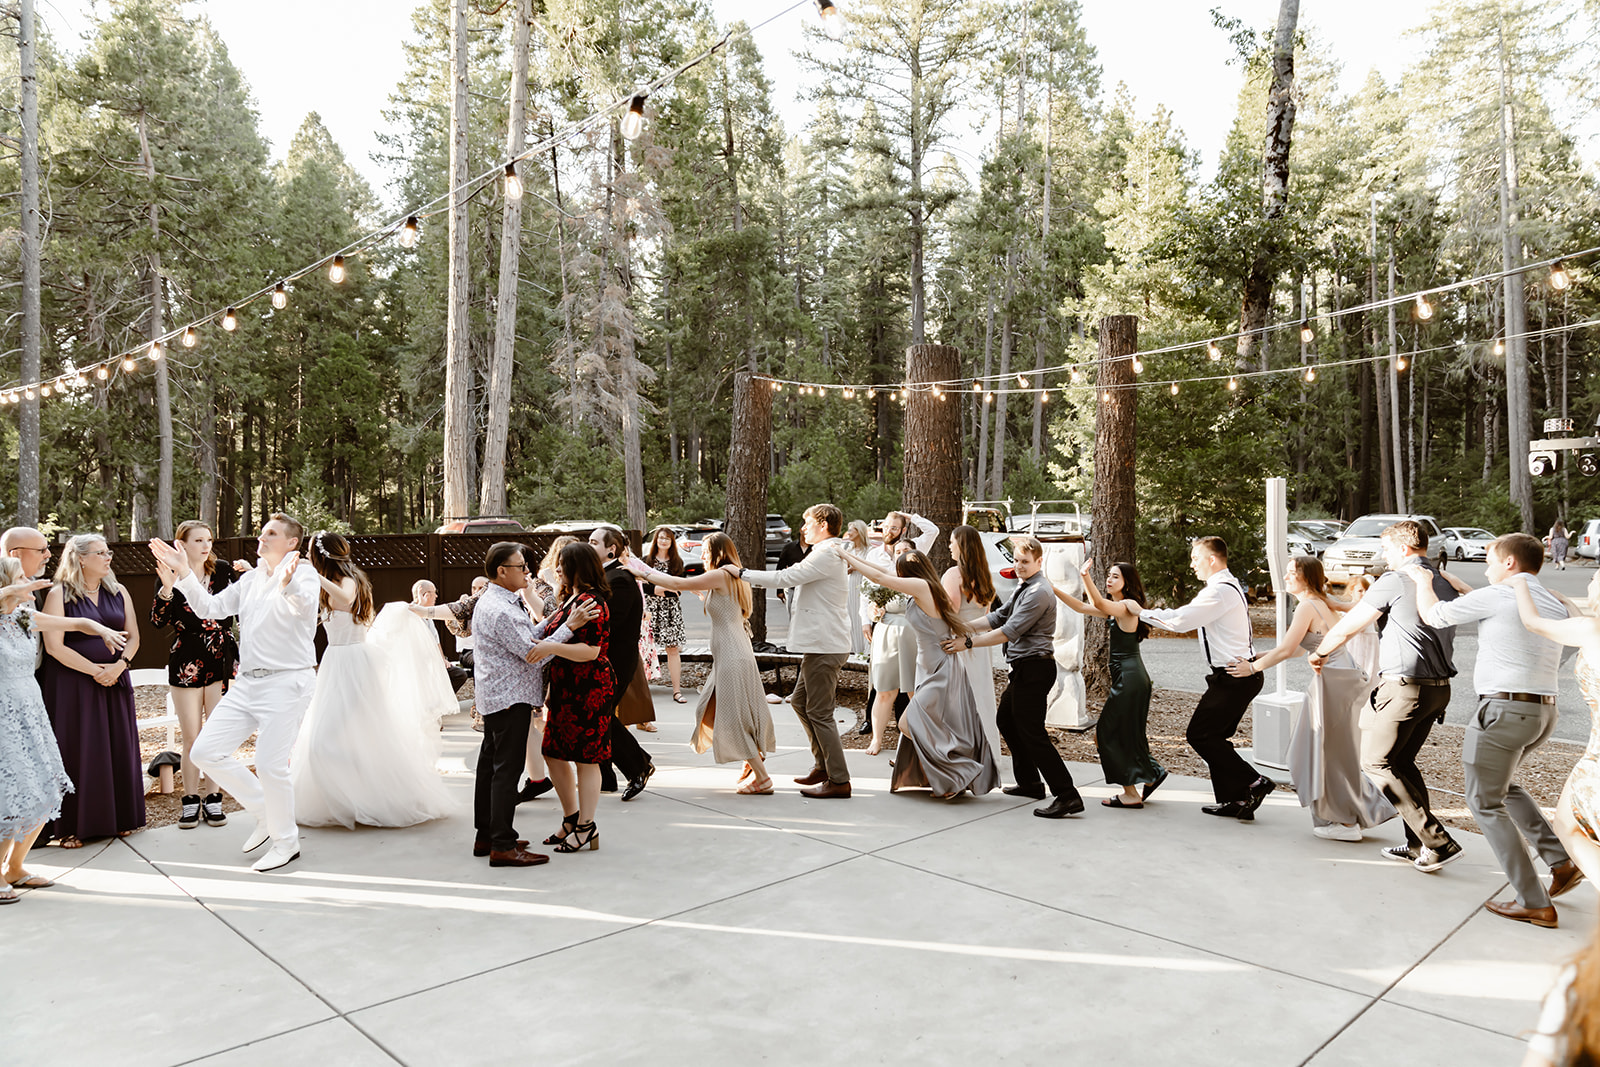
(819, 629)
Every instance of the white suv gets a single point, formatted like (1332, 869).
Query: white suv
(1360, 550)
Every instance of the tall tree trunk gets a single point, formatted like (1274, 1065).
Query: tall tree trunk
(492, 484)
(1274, 185)
(163, 513)
(458, 428)
(1039, 339)
(1396, 466)
(933, 444)
(1518, 403)
(747, 482)
(1113, 506)
(997, 477)
(980, 487)
(28, 423)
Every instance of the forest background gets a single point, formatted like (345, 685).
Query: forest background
(652, 269)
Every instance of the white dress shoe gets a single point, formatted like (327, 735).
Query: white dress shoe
(1337, 832)
(258, 837)
(277, 856)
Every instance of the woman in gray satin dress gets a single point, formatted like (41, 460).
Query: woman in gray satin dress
(942, 742)
(1325, 751)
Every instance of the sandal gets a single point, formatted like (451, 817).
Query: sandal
(583, 836)
(679, 698)
(1118, 802)
(647, 727)
(31, 881)
(8, 896)
(568, 824)
(70, 842)
(756, 788)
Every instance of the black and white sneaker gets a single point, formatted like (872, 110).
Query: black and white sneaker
(1400, 853)
(1434, 858)
(212, 809)
(190, 818)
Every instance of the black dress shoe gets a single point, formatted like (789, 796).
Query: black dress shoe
(1260, 789)
(1033, 792)
(1060, 808)
(532, 790)
(636, 785)
(1232, 809)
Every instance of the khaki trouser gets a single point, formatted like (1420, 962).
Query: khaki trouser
(814, 698)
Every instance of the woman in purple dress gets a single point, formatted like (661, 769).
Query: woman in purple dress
(90, 700)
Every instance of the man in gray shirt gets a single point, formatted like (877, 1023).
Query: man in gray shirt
(1515, 677)
(1027, 626)
(1415, 665)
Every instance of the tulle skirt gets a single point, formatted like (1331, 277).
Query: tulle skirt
(369, 747)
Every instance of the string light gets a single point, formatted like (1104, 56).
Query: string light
(1499, 347)
(1138, 367)
(1424, 309)
(103, 373)
(129, 365)
(190, 337)
(849, 394)
(633, 121)
(1311, 374)
(976, 388)
(155, 351)
(1213, 351)
(1233, 385)
(1560, 279)
(1106, 396)
(905, 394)
(80, 381)
(513, 183)
(1307, 334)
(1400, 363)
(230, 320)
(1044, 397)
(280, 296)
(1077, 376)
(1022, 380)
(44, 390)
(410, 232)
(988, 398)
(1174, 388)
(336, 270)
(28, 393)
(832, 19)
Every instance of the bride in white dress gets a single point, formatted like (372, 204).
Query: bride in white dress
(368, 749)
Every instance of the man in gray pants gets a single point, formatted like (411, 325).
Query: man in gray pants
(819, 628)
(1515, 677)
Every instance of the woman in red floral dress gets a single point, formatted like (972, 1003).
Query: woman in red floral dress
(578, 703)
(200, 664)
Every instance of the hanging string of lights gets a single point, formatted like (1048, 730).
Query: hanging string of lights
(406, 227)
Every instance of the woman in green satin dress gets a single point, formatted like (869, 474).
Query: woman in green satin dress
(1120, 733)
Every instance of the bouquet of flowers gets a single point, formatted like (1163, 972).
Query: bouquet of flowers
(877, 595)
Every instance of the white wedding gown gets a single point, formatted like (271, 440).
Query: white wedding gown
(368, 750)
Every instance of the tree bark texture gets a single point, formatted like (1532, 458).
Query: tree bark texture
(747, 482)
(933, 443)
(458, 431)
(1274, 186)
(1113, 505)
(28, 423)
(492, 481)
(163, 515)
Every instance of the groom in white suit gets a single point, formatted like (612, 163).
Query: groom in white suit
(819, 629)
(277, 604)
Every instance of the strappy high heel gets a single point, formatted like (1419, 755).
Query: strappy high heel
(583, 836)
(569, 823)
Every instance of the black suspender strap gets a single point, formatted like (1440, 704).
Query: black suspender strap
(1249, 635)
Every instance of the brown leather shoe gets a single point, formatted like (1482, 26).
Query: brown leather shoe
(517, 857)
(827, 789)
(480, 848)
(1563, 876)
(816, 776)
(1545, 917)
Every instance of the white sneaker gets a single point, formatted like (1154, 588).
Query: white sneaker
(278, 855)
(774, 698)
(258, 837)
(1337, 832)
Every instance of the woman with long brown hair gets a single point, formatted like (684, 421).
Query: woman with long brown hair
(943, 745)
(732, 719)
(1325, 751)
(363, 755)
(200, 664)
(970, 586)
(662, 606)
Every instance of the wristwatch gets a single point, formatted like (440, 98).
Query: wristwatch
(969, 640)
(741, 574)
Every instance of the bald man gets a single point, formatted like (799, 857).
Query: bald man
(425, 594)
(31, 548)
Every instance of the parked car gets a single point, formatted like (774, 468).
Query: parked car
(1051, 523)
(1587, 542)
(570, 526)
(997, 546)
(1360, 551)
(1314, 535)
(777, 535)
(1462, 542)
(691, 544)
(483, 524)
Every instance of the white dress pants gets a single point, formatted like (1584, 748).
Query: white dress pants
(270, 707)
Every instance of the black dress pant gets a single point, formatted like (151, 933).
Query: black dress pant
(501, 757)
(1020, 716)
(1211, 728)
(1402, 717)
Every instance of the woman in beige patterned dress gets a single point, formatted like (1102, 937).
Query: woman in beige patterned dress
(1577, 820)
(732, 719)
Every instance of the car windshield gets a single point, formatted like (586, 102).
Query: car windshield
(1367, 528)
(1484, 535)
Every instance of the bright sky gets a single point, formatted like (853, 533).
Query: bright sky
(1170, 54)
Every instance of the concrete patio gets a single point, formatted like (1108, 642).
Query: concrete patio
(715, 928)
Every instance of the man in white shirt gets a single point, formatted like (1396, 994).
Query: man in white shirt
(1222, 615)
(1515, 677)
(276, 602)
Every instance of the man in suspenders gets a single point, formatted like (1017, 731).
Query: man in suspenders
(1222, 615)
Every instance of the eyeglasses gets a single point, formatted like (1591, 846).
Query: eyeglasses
(45, 551)
(106, 552)
(516, 566)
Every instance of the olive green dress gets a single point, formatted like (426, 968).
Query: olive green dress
(1120, 734)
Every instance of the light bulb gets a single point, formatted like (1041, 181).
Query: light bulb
(1174, 388)
(832, 19)
(513, 183)
(1499, 347)
(190, 337)
(1138, 367)
(44, 390)
(1233, 384)
(410, 232)
(28, 393)
(633, 121)
(336, 270)
(938, 393)
(1022, 380)
(155, 351)
(905, 394)
(1044, 397)
(1076, 376)
(849, 394)
(1213, 351)
(230, 320)
(1311, 374)
(80, 381)
(129, 365)
(1307, 334)
(102, 373)
(1400, 363)
(1424, 309)
(1106, 396)
(280, 296)
(1559, 278)
(988, 398)
(775, 386)
(976, 388)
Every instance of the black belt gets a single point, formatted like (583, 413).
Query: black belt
(1525, 698)
(1403, 680)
